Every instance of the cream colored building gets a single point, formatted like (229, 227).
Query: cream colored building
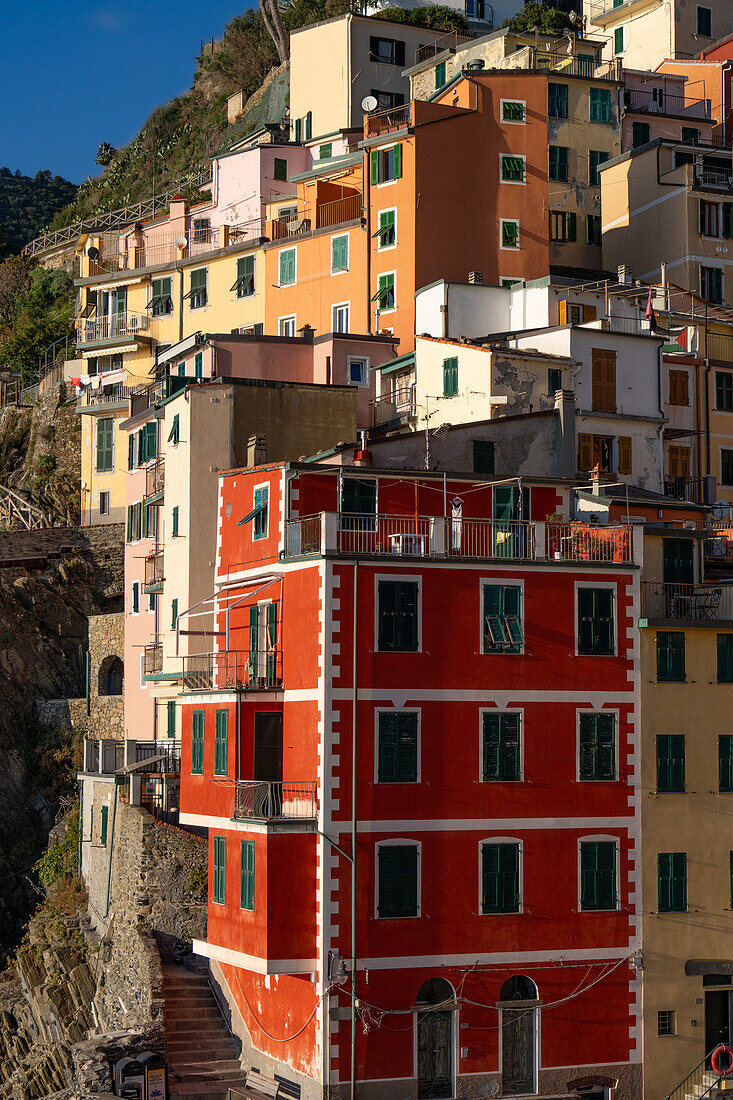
(645, 32)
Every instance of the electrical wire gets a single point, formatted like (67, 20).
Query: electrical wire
(263, 1029)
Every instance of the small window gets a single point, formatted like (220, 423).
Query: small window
(600, 105)
(503, 618)
(161, 302)
(247, 873)
(690, 133)
(245, 284)
(708, 218)
(554, 380)
(339, 254)
(359, 504)
(387, 101)
(640, 134)
(725, 658)
(197, 294)
(725, 763)
(670, 763)
(398, 616)
(666, 1023)
(197, 742)
(557, 100)
(174, 435)
(450, 377)
(705, 22)
(135, 597)
(726, 467)
(386, 164)
(386, 292)
(174, 613)
(358, 371)
(711, 284)
(261, 518)
(595, 621)
(198, 364)
(597, 747)
(397, 749)
(563, 225)
(559, 163)
(386, 235)
(280, 171)
(103, 830)
(679, 388)
(618, 41)
(724, 391)
(340, 317)
(105, 444)
(397, 880)
(509, 234)
(287, 267)
(598, 875)
(152, 597)
(181, 370)
(104, 503)
(325, 152)
(512, 169)
(221, 742)
(219, 884)
(483, 457)
(286, 326)
(670, 656)
(499, 878)
(387, 51)
(174, 522)
(512, 111)
(440, 77)
(603, 380)
(171, 717)
(596, 157)
(500, 747)
(672, 882)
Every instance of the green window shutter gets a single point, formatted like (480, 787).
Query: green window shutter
(175, 432)
(130, 451)
(725, 763)
(670, 656)
(597, 747)
(260, 521)
(220, 870)
(135, 597)
(272, 643)
(450, 377)
(597, 875)
(500, 878)
(385, 292)
(287, 267)
(198, 364)
(144, 521)
(374, 164)
(197, 742)
(221, 742)
(151, 439)
(105, 817)
(483, 457)
(510, 234)
(501, 747)
(727, 220)
(398, 616)
(397, 172)
(725, 658)
(105, 444)
(138, 513)
(340, 254)
(325, 152)
(440, 75)
(171, 710)
(572, 227)
(672, 882)
(670, 763)
(595, 621)
(174, 613)
(298, 129)
(397, 880)
(388, 753)
(386, 228)
(129, 523)
(558, 162)
(247, 872)
(174, 517)
(254, 623)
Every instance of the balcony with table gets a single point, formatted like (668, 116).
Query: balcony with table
(685, 605)
(659, 102)
(112, 330)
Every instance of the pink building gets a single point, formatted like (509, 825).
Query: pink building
(663, 105)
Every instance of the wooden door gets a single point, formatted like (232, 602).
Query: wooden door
(434, 1055)
(678, 561)
(269, 747)
(517, 1050)
(717, 1018)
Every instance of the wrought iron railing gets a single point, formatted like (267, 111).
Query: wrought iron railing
(92, 329)
(153, 658)
(700, 1082)
(490, 538)
(303, 536)
(154, 573)
(233, 670)
(394, 406)
(448, 41)
(675, 602)
(389, 118)
(694, 489)
(290, 225)
(257, 798)
(581, 542)
(346, 209)
(155, 478)
(106, 395)
(635, 99)
(590, 67)
(169, 750)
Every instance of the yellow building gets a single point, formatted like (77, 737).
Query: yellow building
(686, 660)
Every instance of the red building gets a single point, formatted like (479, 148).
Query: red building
(422, 663)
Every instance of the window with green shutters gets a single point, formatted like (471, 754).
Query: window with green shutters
(618, 42)
(359, 504)
(161, 302)
(503, 631)
(558, 162)
(595, 621)
(221, 742)
(131, 451)
(135, 597)
(198, 293)
(247, 875)
(280, 169)
(440, 75)
(245, 284)
(483, 457)
(512, 111)
(171, 708)
(670, 763)
(181, 370)
(397, 880)
(174, 435)
(174, 613)
(385, 292)
(287, 267)
(725, 763)
(554, 381)
(340, 253)
(198, 364)
(597, 875)
(134, 522)
(386, 232)
(509, 234)
(725, 658)
(325, 151)
(597, 747)
(197, 742)
(386, 164)
(450, 377)
(672, 882)
(219, 883)
(105, 444)
(174, 523)
(512, 169)
(596, 157)
(600, 105)
(398, 616)
(670, 656)
(308, 126)
(557, 100)
(500, 878)
(397, 749)
(105, 819)
(639, 134)
(501, 747)
(261, 518)
(704, 22)
(724, 391)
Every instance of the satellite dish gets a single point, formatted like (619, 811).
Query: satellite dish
(181, 242)
(369, 103)
(93, 253)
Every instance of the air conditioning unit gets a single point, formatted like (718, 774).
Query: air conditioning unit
(409, 546)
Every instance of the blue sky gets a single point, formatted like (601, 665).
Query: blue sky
(75, 73)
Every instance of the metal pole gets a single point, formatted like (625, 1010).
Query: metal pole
(88, 683)
(354, 702)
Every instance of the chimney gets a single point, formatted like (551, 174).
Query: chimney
(256, 450)
(476, 278)
(362, 456)
(624, 274)
(566, 452)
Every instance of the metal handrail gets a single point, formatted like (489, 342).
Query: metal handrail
(698, 1078)
(233, 670)
(275, 801)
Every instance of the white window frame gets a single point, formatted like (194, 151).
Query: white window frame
(597, 584)
(105, 493)
(615, 712)
(341, 270)
(512, 121)
(387, 247)
(393, 843)
(603, 838)
(391, 309)
(509, 582)
(499, 710)
(280, 252)
(410, 578)
(386, 149)
(500, 840)
(505, 247)
(287, 317)
(514, 183)
(367, 369)
(261, 485)
(397, 710)
(347, 307)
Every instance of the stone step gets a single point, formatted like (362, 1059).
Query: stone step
(182, 985)
(176, 996)
(176, 1052)
(203, 1090)
(205, 1073)
(195, 1063)
(191, 1012)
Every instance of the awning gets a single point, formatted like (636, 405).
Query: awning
(109, 349)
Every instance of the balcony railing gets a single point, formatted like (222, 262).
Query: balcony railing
(650, 104)
(719, 346)
(155, 478)
(698, 490)
(114, 326)
(590, 68)
(448, 41)
(170, 751)
(631, 326)
(233, 670)
(153, 659)
(394, 406)
(713, 177)
(703, 603)
(389, 118)
(718, 544)
(290, 225)
(347, 209)
(106, 395)
(284, 801)
(154, 573)
(445, 537)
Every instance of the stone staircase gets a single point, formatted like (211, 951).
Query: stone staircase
(203, 1058)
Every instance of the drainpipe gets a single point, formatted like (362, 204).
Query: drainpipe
(81, 823)
(368, 215)
(328, 370)
(707, 416)
(180, 302)
(354, 702)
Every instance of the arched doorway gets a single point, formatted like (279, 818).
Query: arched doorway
(435, 1039)
(111, 676)
(519, 1002)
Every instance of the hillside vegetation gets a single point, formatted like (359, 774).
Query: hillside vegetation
(27, 203)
